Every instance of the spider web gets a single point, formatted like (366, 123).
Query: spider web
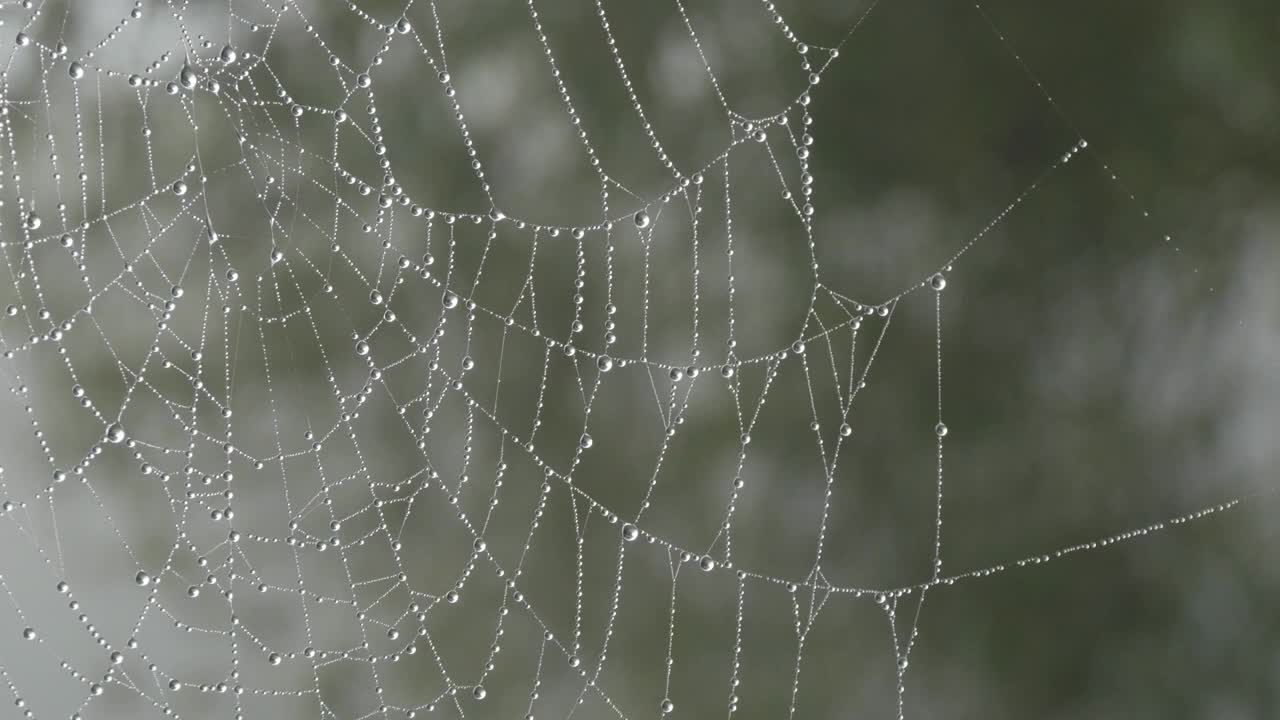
(299, 441)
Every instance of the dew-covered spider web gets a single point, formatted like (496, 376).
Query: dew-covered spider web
(322, 406)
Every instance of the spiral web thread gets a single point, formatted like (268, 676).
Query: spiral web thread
(78, 291)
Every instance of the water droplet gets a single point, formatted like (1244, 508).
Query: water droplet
(585, 441)
(479, 692)
(32, 221)
(451, 597)
(274, 658)
(450, 301)
(479, 545)
(363, 80)
(666, 706)
(642, 219)
(362, 348)
(902, 663)
(403, 27)
(940, 429)
(228, 55)
(630, 532)
(95, 689)
(117, 657)
(845, 430)
(142, 579)
(375, 297)
(176, 291)
(938, 281)
(706, 563)
(797, 347)
(75, 70)
(193, 591)
(115, 433)
(179, 188)
(604, 363)
(188, 77)
(29, 634)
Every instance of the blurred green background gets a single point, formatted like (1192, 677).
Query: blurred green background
(1110, 348)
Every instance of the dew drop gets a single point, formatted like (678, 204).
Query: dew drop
(29, 634)
(938, 281)
(642, 219)
(585, 441)
(142, 579)
(451, 597)
(274, 658)
(604, 363)
(75, 70)
(479, 692)
(450, 301)
(666, 706)
(940, 429)
(706, 563)
(179, 188)
(375, 297)
(115, 433)
(228, 55)
(845, 430)
(630, 532)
